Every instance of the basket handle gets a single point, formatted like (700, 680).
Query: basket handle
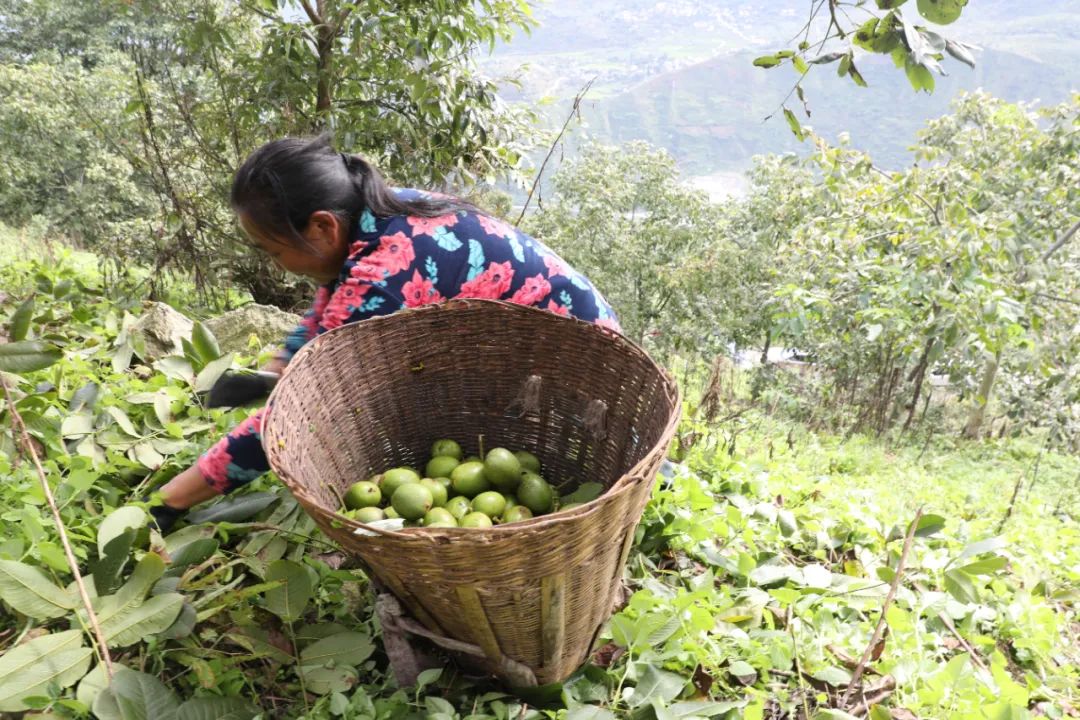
(595, 420)
(528, 399)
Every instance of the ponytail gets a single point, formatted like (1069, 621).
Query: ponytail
(282, 183)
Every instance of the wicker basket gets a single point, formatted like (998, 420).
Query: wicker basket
(589, 403)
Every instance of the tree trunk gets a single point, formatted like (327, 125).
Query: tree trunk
(768, 344)
(918, 375)
(324, 70)
(982, 399)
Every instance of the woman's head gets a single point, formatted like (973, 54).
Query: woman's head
(300, 200)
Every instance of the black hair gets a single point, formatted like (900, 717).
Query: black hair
(282, 183)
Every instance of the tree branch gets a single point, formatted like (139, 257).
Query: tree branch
(312, 15)
(574, 110)
(880, 627)
(339, 21)
(1060, 241)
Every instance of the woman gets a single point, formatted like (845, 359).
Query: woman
(374, 250)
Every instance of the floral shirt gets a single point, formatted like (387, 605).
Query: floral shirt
(400, 262)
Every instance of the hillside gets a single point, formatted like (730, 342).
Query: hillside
(679, 74)
(710, 115)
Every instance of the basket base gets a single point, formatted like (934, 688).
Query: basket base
(408, 659)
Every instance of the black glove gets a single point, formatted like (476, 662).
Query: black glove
(163, 516)
(235, 388)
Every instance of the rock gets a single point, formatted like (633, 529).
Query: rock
(269, 324)
(161, 329)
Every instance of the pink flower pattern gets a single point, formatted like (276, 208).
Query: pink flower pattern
(555, 266)
(491, 284)
(419, 291)
(558, 309)
(426, 226)
(214, 465)
(494, 227)
(535, 289)
(348, 297)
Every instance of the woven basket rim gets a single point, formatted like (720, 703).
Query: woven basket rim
(630, 477)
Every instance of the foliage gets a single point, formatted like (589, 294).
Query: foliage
(958, 271)
(948, 267)
(166, 98)
(57, 167)
(913, 47)
(620, 216)
(757, 574)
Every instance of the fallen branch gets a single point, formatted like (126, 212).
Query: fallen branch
(948, 623)
(877, 694)
(880, 627)
(17, 421)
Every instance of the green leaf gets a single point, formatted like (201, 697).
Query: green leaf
(827, 58)
(216, 708)
(767, 61)
(84, 397)
(837, 677)
(77, 425)
(701, 708)
(211, 372)
(146, 455)
(147, 572)
(981, 547)
(435, 704)
(793, 123)
(193, 553)
(941, 12)
(919, 76)
(347, 648)
(234, 508)
(108, 567)
(289, 599)
(117, 522)
(656, 683)
(257, 641)
(586, 492)
(961, 52)
(855, 75)
(122, 420)
(879, 712)
(589, 712)
(93, 683)
(134, 623)
(176, 368)
(800, 65)
(184, 623)
(929, 525)
(989, 566)
(427, 677)
(20, 320)
(959, 585)
(204, 342)
(833, 714)
(324, 680)
(27, 356)
(744, 671)
(133, 695)
(29, 669)
(26, 589)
